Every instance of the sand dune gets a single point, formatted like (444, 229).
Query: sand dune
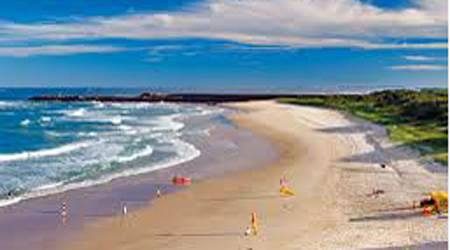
(333, 164)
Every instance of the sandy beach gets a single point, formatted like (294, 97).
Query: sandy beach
(333, 164)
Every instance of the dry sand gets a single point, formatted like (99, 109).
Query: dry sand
(331, 161)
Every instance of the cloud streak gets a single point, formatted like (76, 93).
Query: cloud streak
(302, 23)
(419, 67)
(56, 50)
(421, 58)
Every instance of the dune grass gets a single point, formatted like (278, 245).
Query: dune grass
(414, 118)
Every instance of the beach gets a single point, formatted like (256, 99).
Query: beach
(37, 221)
(331, 161)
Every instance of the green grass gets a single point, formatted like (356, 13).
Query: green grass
(417, 119)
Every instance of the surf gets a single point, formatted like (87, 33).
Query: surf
(44, 152)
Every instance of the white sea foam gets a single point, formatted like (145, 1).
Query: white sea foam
(131, 132)
(6, 104)
(125, 127)
(102, 116)
(166, 123)
(87, 134)
(75, 113)
(25, 123)
(45, 119)
(130, 105)
(185, 152)
(49, 186)
(11, 104)
(98, 104)
(7, 202)
(166, 129)
(44, 152)
(148, 150)
(116, 120)
(205, 111)
(54, 134)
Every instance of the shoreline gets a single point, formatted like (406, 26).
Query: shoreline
(93, 203)
(174, 201)
(330, 165)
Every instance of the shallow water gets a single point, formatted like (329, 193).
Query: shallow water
(48, 148)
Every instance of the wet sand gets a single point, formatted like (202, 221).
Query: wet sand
(333, 164)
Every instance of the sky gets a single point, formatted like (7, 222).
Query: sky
(224, 44)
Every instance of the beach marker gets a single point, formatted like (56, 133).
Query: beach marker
(124, 209)
(285, 191)
(254, 226)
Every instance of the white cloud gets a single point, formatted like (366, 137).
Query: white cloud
(56, 50)
(421, 58)
(419, 67)
(300, 23)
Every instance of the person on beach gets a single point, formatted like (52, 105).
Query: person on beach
(253, 228)
(158, 192)
(248, 231)
(283, 181)
(254, 225)
(64, 212)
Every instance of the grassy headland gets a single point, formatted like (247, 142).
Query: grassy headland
(414, 118)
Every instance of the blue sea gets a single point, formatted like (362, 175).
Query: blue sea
(47, 148)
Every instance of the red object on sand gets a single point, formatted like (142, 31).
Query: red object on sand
(427, 211)
(181, 180)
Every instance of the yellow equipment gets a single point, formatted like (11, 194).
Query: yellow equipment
(285, 191)
(440, 199)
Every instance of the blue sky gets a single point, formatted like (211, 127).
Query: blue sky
(217, 44)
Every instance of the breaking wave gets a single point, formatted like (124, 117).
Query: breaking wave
(94, 143)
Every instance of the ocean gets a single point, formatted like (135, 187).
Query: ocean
(46, 148)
